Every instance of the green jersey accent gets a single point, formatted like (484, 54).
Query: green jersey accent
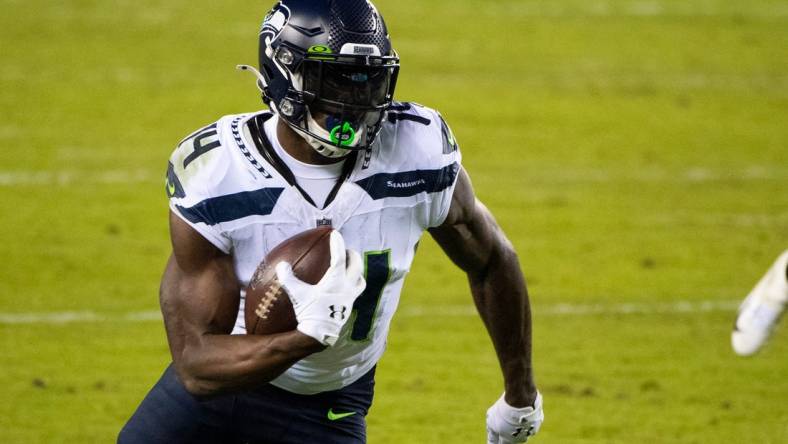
(170, 188)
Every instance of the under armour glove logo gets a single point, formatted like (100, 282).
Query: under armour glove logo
(519, 430)
(338, 313)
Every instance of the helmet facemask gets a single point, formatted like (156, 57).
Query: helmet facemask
(343, 101)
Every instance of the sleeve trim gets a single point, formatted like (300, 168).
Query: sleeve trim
(216, 239)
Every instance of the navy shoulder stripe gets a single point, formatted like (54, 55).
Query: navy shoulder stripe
(394, 117)
(409, 183)
(232, 206)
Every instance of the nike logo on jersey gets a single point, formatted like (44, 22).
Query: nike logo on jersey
(337, 416)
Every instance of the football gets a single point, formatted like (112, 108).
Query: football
(267, 309)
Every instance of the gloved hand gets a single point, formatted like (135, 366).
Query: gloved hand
(322, 309)
(507, 424)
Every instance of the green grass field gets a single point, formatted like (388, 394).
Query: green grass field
(635, 151)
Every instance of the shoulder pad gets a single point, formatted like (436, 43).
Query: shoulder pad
(198, 161)
(422, 132)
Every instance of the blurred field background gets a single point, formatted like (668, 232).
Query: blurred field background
(633, 150)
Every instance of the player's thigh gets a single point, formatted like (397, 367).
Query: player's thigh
(270, 422)
(290, 429)
(169, 414)
(274, 416)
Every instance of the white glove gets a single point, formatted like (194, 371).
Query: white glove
(322, 309)
(507, 424)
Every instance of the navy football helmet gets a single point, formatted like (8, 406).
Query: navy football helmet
(328, 69)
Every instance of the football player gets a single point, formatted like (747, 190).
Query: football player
(761, 309)
(333, 149)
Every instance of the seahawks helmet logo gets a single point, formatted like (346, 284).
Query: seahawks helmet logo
(274, 22)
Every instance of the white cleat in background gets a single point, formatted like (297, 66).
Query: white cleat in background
(761, 310)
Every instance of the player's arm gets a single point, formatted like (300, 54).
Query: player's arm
(199, 299)
(473, 240)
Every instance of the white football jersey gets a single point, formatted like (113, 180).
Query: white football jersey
(241, 199)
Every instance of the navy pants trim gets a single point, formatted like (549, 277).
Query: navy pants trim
(268, 415)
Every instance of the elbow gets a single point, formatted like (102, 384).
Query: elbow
(509, 255)
(501, 269)
(191, 380)
(505, 250)
(198, 388)
(502, 257)
(194, 385)
(484, 268)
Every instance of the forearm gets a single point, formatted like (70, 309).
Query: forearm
(218, 363)
(199, 297)
(501, 298)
